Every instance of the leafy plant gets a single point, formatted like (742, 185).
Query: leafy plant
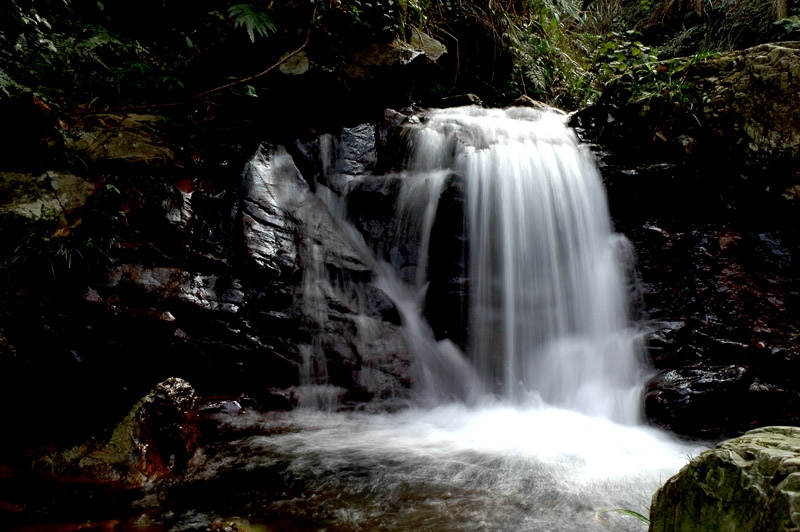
(253, 19)
(6, 83)
(666, 80)
(47, 243)
(617, 52)
(549, 59)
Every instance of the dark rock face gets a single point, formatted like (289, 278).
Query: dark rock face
(722, 305)
(344, 331)
(728, 134)
(448, 296)
(240, 283)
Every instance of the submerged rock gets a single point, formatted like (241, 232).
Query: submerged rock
(157, 438)
(750, 483)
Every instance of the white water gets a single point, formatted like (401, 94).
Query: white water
(547, 438)
(549, 299)
(490, 467)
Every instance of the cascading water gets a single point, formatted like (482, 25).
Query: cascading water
(553, 445)
(549, 302)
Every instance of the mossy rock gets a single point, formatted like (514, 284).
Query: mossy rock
(749, 483)
(157, 438)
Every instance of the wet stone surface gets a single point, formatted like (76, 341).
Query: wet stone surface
(722, 305)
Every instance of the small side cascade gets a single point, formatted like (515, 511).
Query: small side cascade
(315, 390)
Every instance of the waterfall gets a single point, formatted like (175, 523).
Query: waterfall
(548, 296)
(530, 427)
(549, 300)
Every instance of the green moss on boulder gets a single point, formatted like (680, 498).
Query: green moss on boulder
(749, 483)
(157, 438)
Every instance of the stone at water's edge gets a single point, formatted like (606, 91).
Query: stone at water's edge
(747, 484)
(157, 438)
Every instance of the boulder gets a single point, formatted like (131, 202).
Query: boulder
(375, 59)
(694, 400)
(750, 483)
(119, 138)
(51, 194)
(157, 438)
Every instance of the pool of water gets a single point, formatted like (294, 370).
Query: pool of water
(493, 467)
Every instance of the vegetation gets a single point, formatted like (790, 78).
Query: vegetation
(46, 244)
(78, 55)
(636, 515)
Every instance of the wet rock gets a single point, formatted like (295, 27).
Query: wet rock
(392, 143)
(210, 292)
(527, 101)
(341, 336)
(268, 232)
(448, 295)
(747, 483)
(664, 340)
(370, 205)
(357, 151)
(697, 400)
(460, 100)
(719, 298)
(157, 438)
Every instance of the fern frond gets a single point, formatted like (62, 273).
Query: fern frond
(6, 83)
(252, 19)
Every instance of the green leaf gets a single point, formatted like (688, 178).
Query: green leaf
(625, 511)
(252, 19)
